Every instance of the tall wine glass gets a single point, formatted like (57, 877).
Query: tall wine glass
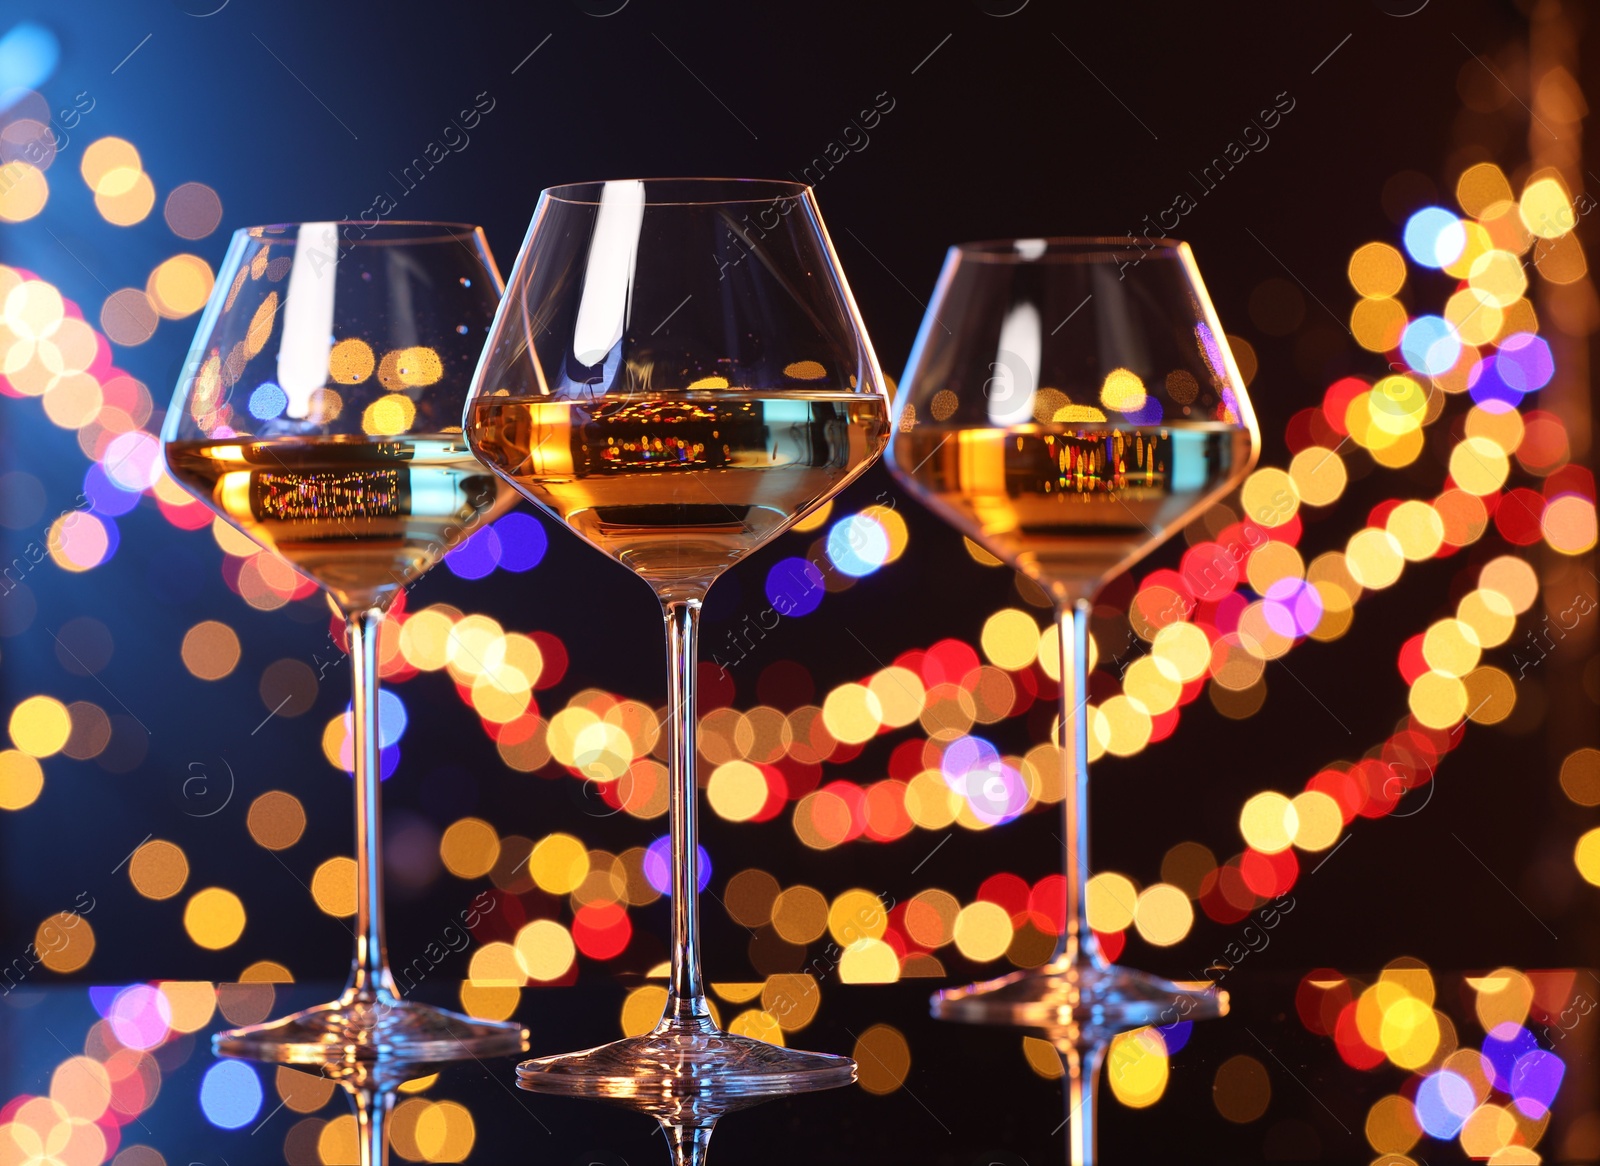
(1070, 404)
(678, 373)
(319, 413)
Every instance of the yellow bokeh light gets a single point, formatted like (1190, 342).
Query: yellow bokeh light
(1123, 391)
(1137, 1068)
(1499, 275)
(210, 650)
(1184, 649)
(103, 156)
(559, 863)
(1503, 997)
(883, 1059)
(191, 1004)
(1587, 856)
(1417, 528)
(1474, 314)
(1569, 525)
(40, 726)
(1373, 558)
(1271, 563)
(21, 779)
(64, 942)
(333, 886)
(389, 415)
(869, 961)
(983, 931)
(1451, 647)
(1269, 822)
(469, 848)
(1545, 208)
(1396, 405)
(1490, 616)
(852, 713)
(1377, 325)
(1488, 1130)
(180, 286)
(900, 695)
(1502, 426)
(641, 1011)
(158, 869)
(1480, 188)
(1111, 900)
(1409, 1033)
(350, 361)
(1269, 497)
(24, 190)
(1318, 820)
(1512, 577)
(1153, 685)
(545, 950)
(1377, 270)
(1120, 727)
(736, 791)
(214, 918)
(1479, 466)
(1392, 1125)
(1163, 914)
(1010, 639)
(125, 197)
(800, 914)
(410, 368)
(1580, 776)
(1438, 701)
(1319, 475)
(445, 1132)
(276, 820)
(857, 915)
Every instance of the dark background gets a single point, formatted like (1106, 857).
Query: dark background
(1000, 125)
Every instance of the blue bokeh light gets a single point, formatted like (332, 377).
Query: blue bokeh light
(477, 556)
(1444, 1102)
(1434, 237)
(268, 401)
(658, 865)
(522, 542)
(794, 586)
(1430, 345)
(230, 1095)
(858, 545)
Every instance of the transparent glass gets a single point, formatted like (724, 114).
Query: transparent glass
(319, 413)
(678, 373)
(1070, 404)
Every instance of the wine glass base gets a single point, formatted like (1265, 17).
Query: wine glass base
(1081, 1002)
(371, 1030)
(686, 1072)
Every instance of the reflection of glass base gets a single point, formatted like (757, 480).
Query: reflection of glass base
(385, 1029)
(1083, 1003)
(685, 1072)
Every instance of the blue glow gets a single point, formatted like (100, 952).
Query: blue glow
(1489, 389)
(1176, 1035)
(391, 718)
(478, 556)
(108, 497)
(522, 542)
(1430, 345)
(1503, 1047)
(267, 401)
(1444, 1102)
(1150, 413)
(658, 865)
(230, 1094)
(28, 55)
(1535, 1081)
(858, 545)
(1434, 237)
(794, 586)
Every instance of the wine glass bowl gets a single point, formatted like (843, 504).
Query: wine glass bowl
(1069, 405)
(319, 414)
(678, 373)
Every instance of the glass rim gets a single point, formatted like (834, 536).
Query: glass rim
(752, 190)
(392, 231)
(1067, 248)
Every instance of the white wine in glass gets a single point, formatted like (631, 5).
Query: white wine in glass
(1070, 404)
(319, 413)
(678, 374)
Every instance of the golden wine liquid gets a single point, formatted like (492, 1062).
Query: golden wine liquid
(679, 486)
(361, 517)
(1071, 505)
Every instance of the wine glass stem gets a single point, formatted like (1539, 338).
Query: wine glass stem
(1082, 1063)
(1079, 948)
(372, 1111)
(690, 1143)
(370, 975)
(686, 998)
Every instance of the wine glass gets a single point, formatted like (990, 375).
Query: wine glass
(678, 373)
(319, 414)
(1070, 404)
